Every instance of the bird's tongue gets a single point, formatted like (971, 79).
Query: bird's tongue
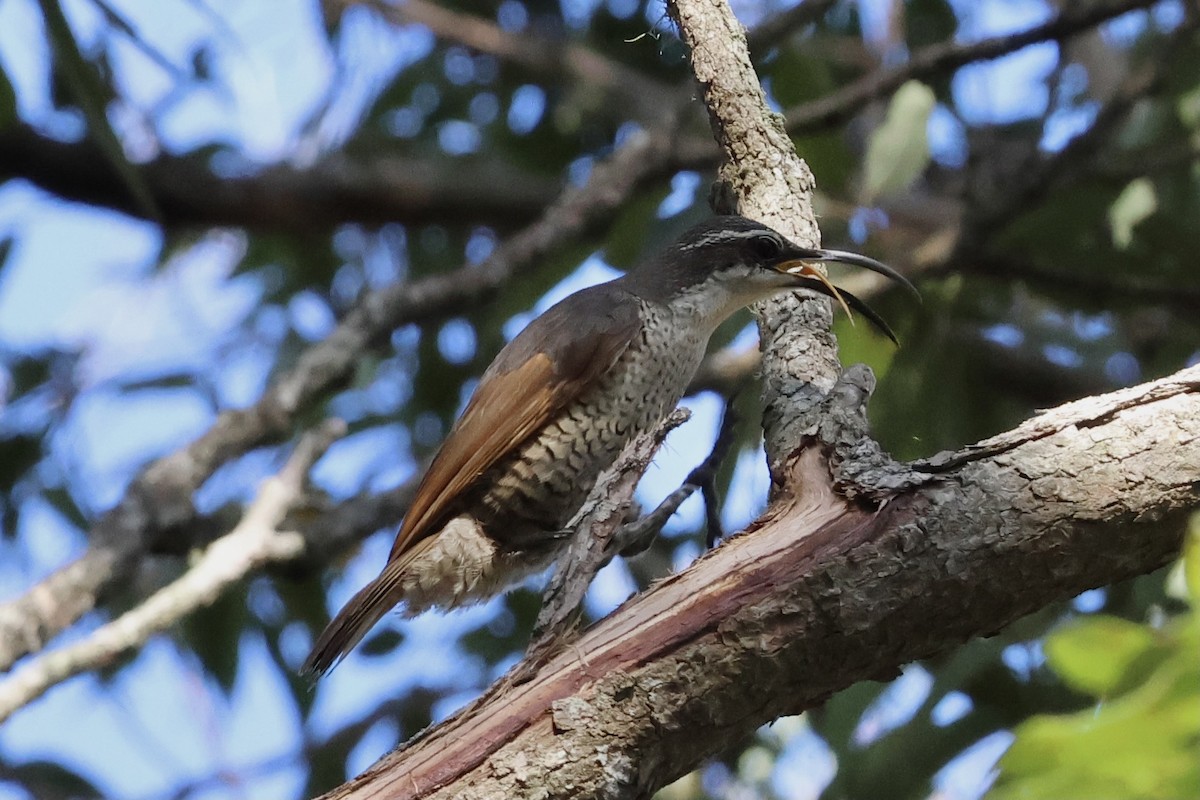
(805, 269)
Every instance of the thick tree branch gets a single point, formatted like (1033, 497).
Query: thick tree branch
(762, 177)
(337, 190)
(823, 594)
(159, 500)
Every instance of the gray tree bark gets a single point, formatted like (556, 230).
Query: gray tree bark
(823, 593)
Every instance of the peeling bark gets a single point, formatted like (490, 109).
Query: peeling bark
(825, 592)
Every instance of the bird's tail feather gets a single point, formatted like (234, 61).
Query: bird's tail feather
(355, 619)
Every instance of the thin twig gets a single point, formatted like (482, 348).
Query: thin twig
(948, 56)
(548, 59)
(257, 540)
(768, 32)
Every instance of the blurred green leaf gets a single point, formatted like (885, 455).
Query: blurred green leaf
(65, 504)
(798, 76)
(1098, 655)
(834, 163)
(1184, 581)
(214, 633)
(7, 242)
(928, 22)
(1188, 108)
(860, 342)
(625, 244)
(1139, 745)
(1135, 203)
(898, 151)
(287, 264)
(838, 718)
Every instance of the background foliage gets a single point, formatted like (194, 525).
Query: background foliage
(194, 193)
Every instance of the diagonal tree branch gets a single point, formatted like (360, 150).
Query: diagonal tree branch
(261, 537)
(550, 60)
(948, 56)
(822, 594)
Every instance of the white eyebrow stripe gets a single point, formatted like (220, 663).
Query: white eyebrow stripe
(729, 236)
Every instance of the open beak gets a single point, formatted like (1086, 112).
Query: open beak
(800, 266)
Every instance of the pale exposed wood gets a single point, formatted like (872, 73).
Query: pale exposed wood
(822, 595)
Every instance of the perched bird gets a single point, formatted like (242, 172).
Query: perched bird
(556, 408)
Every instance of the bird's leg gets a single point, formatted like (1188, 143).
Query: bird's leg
(635, 537)
(537, 540)
(705, 475)
(601, 530)
(713, 531)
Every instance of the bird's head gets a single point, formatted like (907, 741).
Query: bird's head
(734, 261)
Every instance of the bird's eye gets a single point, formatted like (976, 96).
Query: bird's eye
(766, 247)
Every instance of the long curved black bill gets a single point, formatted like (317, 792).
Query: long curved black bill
(810, 278)
(856, 260)
(799, 264)
(848, 301)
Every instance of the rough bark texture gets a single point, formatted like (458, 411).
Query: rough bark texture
(823, 594)
(762, 177)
